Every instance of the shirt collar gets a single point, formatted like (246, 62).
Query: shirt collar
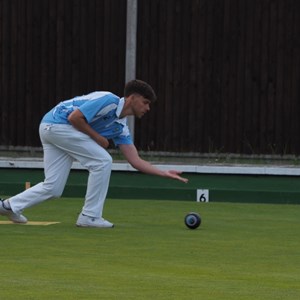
(120, 107)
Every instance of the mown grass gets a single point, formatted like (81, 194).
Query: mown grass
(240, 251)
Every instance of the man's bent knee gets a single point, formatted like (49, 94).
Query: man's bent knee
(52, 190)
(101, 164)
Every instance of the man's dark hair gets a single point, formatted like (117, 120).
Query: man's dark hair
(140, 87)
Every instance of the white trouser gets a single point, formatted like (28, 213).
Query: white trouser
(62, 145)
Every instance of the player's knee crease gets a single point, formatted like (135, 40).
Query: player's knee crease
(104, 164)
(52, 190)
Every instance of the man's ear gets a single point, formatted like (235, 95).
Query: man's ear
(128, 98)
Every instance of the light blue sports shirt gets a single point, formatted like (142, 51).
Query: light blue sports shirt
(101, 110)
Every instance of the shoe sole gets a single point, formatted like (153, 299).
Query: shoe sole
(16, 222)
(85, 225)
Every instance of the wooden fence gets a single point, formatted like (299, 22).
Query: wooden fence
(51, 50)
(226, 72)
(227, 75)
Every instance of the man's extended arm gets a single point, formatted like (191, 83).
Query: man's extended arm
(131, 154)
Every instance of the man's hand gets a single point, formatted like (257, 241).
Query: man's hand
(102, 141)
(176, 175)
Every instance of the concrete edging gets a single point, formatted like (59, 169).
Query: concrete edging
(25, 163)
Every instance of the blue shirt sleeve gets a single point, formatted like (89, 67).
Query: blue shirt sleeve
(123, 140)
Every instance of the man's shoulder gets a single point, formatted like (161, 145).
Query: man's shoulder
(100, 95)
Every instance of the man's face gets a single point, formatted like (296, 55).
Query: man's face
(140, 105)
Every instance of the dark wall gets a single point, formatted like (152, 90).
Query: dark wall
(226, 72)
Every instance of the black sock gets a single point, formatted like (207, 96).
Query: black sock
(6, 205)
